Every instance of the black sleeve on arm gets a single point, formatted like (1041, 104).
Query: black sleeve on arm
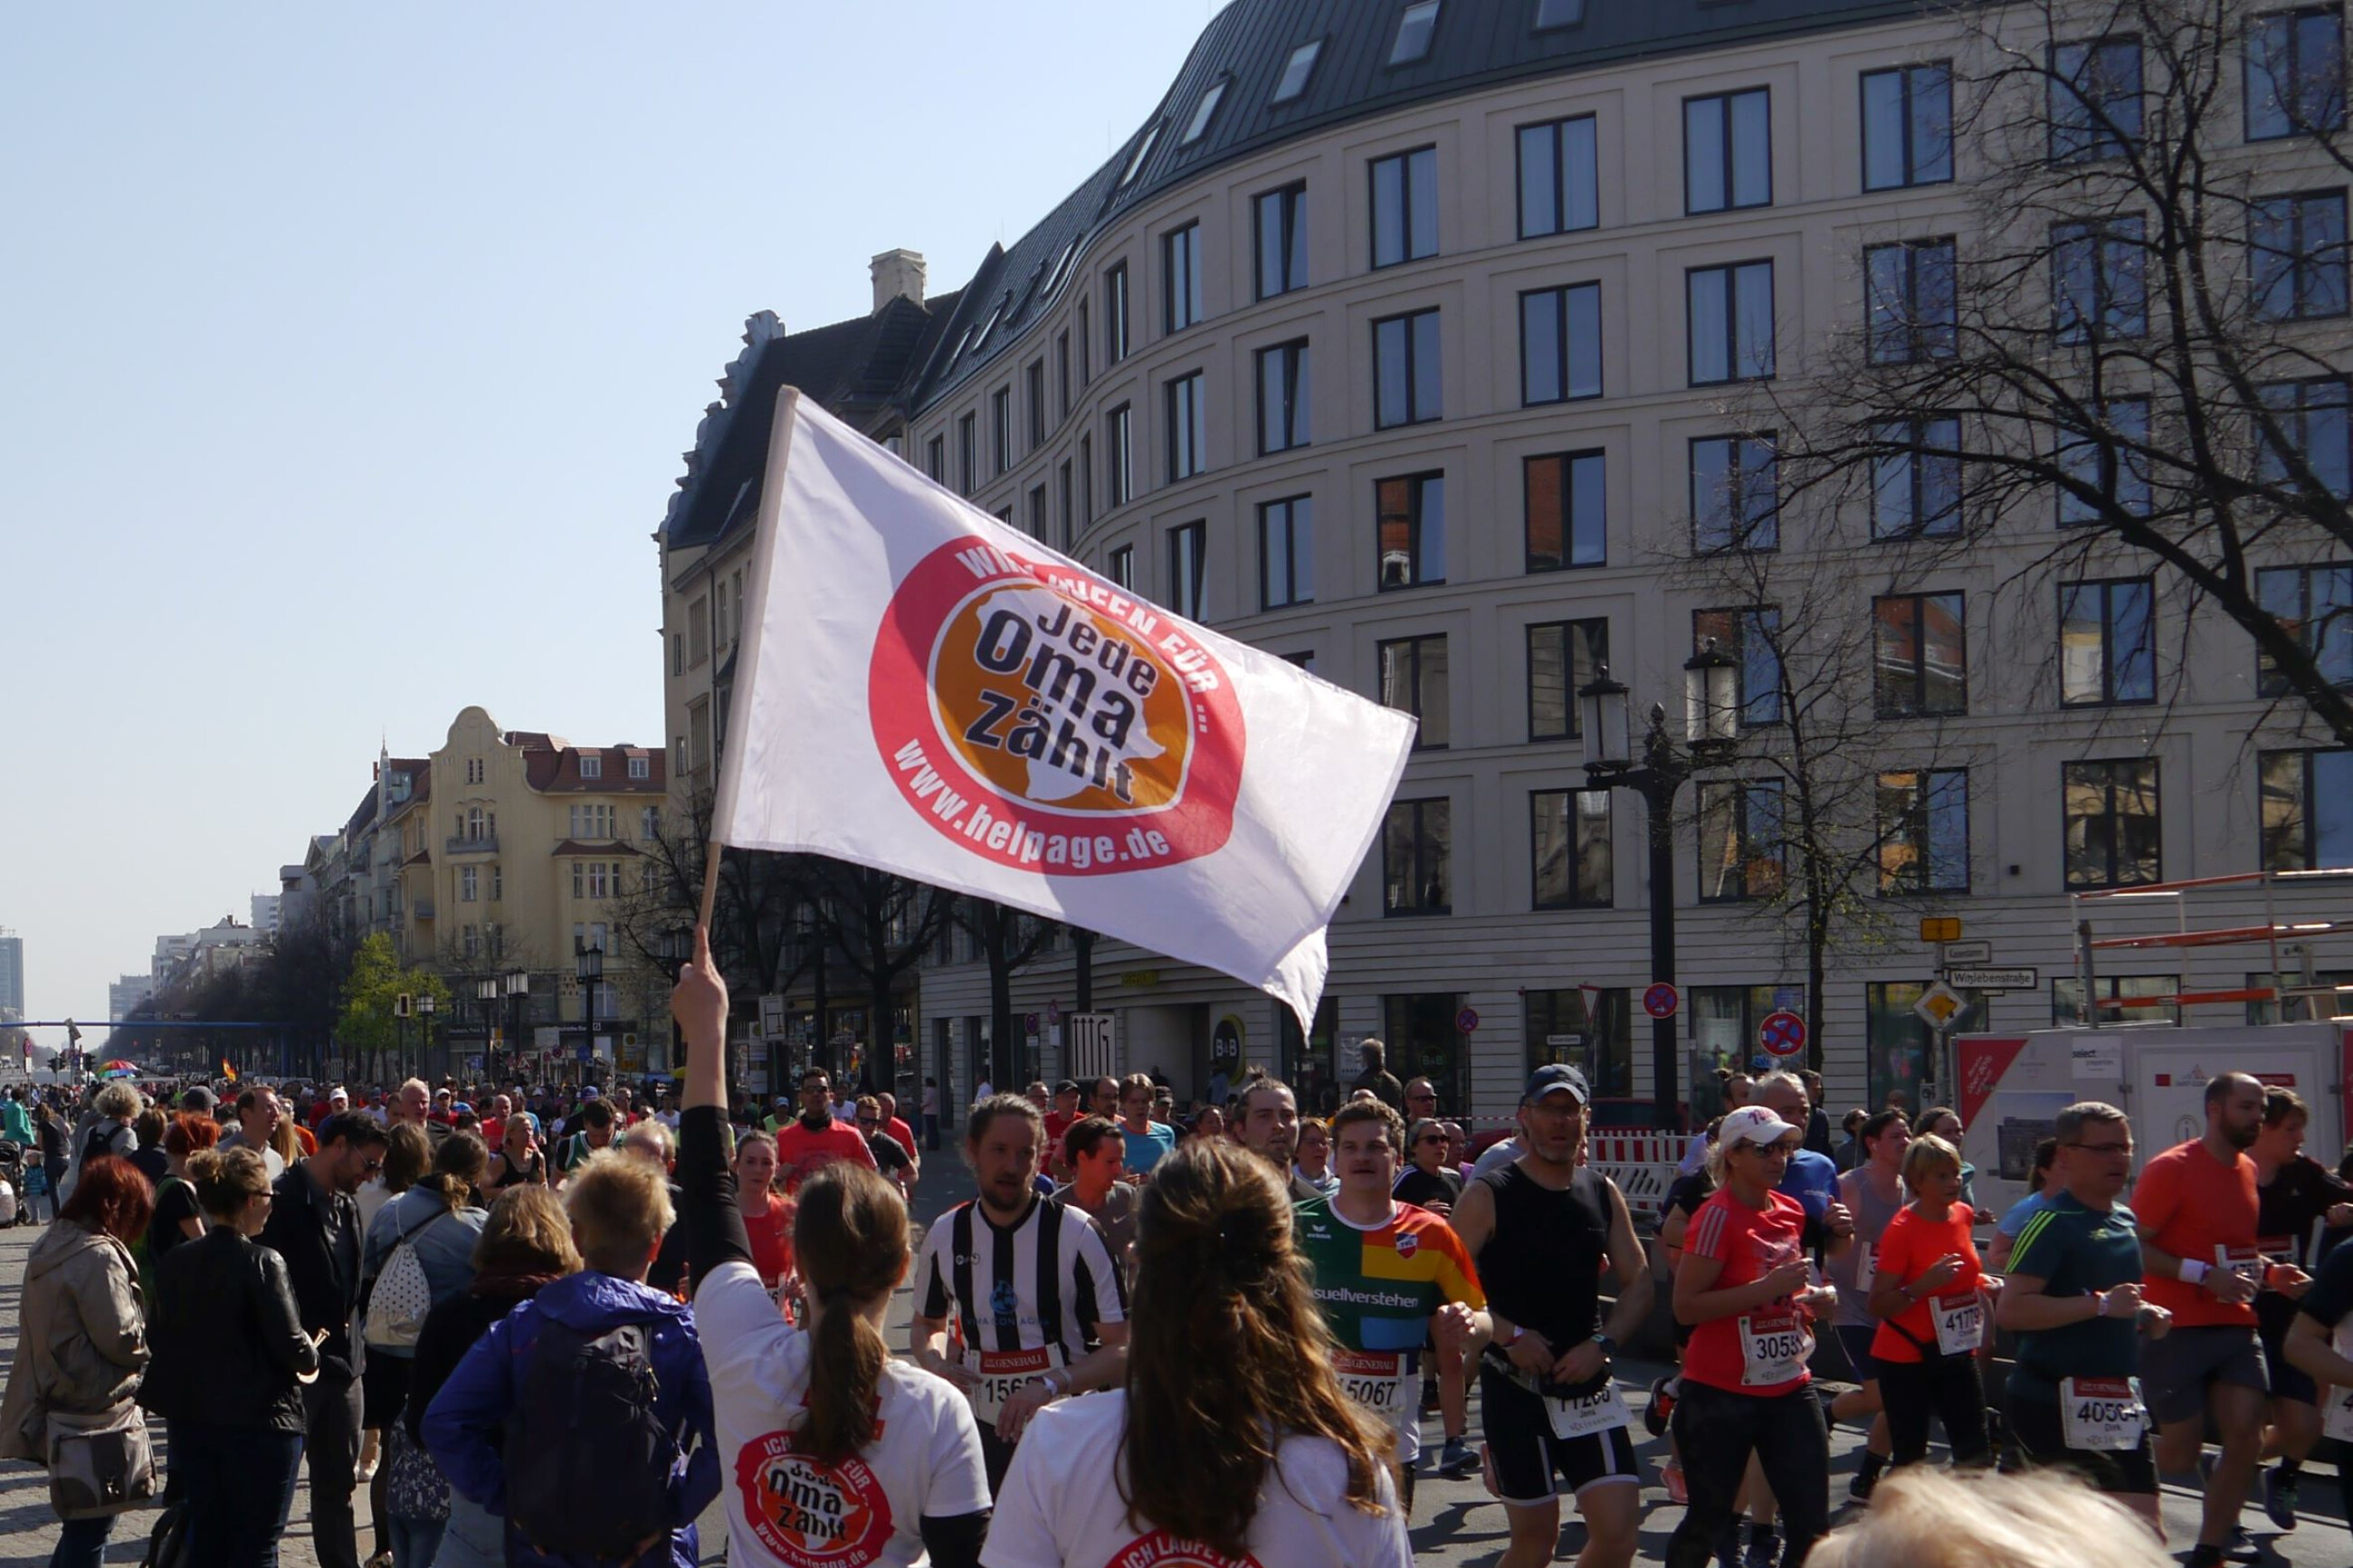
(714, 1226)
(955, 1541)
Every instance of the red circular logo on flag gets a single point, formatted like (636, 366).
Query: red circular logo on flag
(1162, 1549)
(1038, 717)
(811, 1515)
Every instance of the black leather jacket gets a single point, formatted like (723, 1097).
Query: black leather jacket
(226, 1340)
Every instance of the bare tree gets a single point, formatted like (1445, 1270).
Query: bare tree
(1008, 939)
(881, 926)
(758, 921)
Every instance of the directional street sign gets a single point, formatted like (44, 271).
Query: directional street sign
(1782, 1033)
(1965, 952)
(1994, 979)
(1660, 1001)
(1940, 1005)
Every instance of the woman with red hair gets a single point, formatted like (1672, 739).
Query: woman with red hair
(178, 1215)
(80, 1353)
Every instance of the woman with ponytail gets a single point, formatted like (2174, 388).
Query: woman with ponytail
(832, 1450)
(1262, 1460)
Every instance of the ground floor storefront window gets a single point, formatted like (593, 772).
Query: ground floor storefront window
(1592, 1030)
(1423, 1042)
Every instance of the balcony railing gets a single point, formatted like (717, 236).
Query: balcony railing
(488, 844)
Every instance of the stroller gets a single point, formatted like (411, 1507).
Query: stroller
(14, 1209)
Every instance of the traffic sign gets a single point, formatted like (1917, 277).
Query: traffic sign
(1940, 1005)
(1955, 952)
(772, 1017)
(1994, 979)
(1782, 1033)
(1091, 1045)
(1466, 1020)
(1940, 927)
(1662, 1000)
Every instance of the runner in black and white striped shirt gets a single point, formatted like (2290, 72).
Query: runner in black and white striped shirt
(1037, 1304)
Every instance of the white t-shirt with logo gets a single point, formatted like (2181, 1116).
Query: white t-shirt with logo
(783, 1509)
(1060, 1506)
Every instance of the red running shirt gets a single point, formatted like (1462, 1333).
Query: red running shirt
(801, 1152)
(771, 1235)
(1908, 1248)
(1751, 1244)
(2194, 1206)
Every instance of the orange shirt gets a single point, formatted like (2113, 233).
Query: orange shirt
(1908, 1248)
(2192, 1205)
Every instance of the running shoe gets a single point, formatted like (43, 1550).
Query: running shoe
(2279, 1498)
(1458, 1460)
(1859, 1488)
(1727, 1546)
(1764, 1549)
(1655, 1414)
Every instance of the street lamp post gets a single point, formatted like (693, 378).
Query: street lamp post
(674, 950)
(1712, 729)
(518, 990)
(486, 1002)
(591, 970)
(425, 1006)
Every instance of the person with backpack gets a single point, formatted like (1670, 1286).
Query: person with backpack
(585, 1415)
(114, 1108)
(419, 1253)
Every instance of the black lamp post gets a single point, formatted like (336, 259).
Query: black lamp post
(674, 950)
(1712, 730)
(486, 997)
(517, 985)
(591, 970)
(425, 1009)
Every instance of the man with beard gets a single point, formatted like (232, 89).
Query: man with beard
(1042, 1311)
(1266, 1122)
(2199, 1213)
(814, 1139)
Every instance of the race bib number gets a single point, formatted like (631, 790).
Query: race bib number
(1374, 1380)
(1866, 1270)
(2246, 1262)
(1960, 1323)
(2100, 1414)
(1774, 1349)
(1581, 1415)
(998, 1375)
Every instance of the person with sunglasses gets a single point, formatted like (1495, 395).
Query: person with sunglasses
(314, 1225)
(2073, 1299)
(893, 1158)
(1745, 1287)
(1429, 1183)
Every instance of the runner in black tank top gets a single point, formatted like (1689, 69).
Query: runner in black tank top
(1539, 1231)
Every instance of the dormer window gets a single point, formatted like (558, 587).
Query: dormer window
(1203, 113)
(1559, 13)
(1295, 72)
(640, 767)
(1143, 151)
(591, 766)
(1415, 29)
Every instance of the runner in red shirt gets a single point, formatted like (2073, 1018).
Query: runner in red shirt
(767, 1216)
(815, 1140)
(1057, 1123)
(2198, 1214)
(1745, 1287)
(1929, 1295)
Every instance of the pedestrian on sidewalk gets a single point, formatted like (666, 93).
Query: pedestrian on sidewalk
(81, 1347)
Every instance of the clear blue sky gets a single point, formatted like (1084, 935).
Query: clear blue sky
(349, 351)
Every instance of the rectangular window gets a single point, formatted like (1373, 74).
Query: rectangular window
(2112, 826)
(2099, 283)
(1924, 831)
(1753, 637)
(1282, 392)
(2296, 73)
(968, 453)
(1204, 112)
(1286, 552)
(499, 876)
(1119, 457)
(1911, 309)
(1186, 422)
(1417, 24)
(1415, 844)
(1296, 70)
(468, 883)
(1410, 529)
(1123, 567)
(1728, 150)
(2314, 605)
(1000, 430)
(1593, 1031)
(593, 767)
(1405, 206)
(1036, 384)
(2306, 803)
(2067, 1000)
(1916, 484)
(1568, 849)
(1038, 521)
(1740, 840)
(2310, 419)
(1187, 553)
(1919, 655)
(2110, 461)
(1181, 277)
(1087, 478)
(2107, 642)
(1735, 493)
(1084, 348)
(2296, 248)
(1563, 656)
(1405, 370)
(1567, 511)
(1561, 343)
(1115, 314)
(649, 824)
(1560, 177)
(1553, 14)
(1413, 680)
(1062, 495)
(1062, 374)
(1908, 127)
(579, 879)
(2095, 106)
(1282, 223)
(640, 767)
(935, 461)
(1731, 323)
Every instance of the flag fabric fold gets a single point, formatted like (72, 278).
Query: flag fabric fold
(924, 689)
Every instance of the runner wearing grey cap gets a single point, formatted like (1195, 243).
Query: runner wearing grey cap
(1540, 1230)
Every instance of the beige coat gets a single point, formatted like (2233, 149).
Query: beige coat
(81, 1343)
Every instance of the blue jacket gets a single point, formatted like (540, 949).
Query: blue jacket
(462, 1424)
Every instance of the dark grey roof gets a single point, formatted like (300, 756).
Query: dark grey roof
(1477, 44)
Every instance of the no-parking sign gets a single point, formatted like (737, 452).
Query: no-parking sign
(1662, 1000)
(1782, 1033)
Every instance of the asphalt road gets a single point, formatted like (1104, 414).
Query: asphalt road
(1455, 1521)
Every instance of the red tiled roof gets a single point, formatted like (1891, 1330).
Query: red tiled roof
(559, 771)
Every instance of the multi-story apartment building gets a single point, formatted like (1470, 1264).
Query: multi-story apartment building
(127, 993)
(1438, 346)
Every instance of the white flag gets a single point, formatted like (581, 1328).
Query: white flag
(923, 689)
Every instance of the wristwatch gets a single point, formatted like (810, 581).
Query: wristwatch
(1609, 1346)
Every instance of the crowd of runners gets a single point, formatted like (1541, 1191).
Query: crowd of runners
(555, 1329)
